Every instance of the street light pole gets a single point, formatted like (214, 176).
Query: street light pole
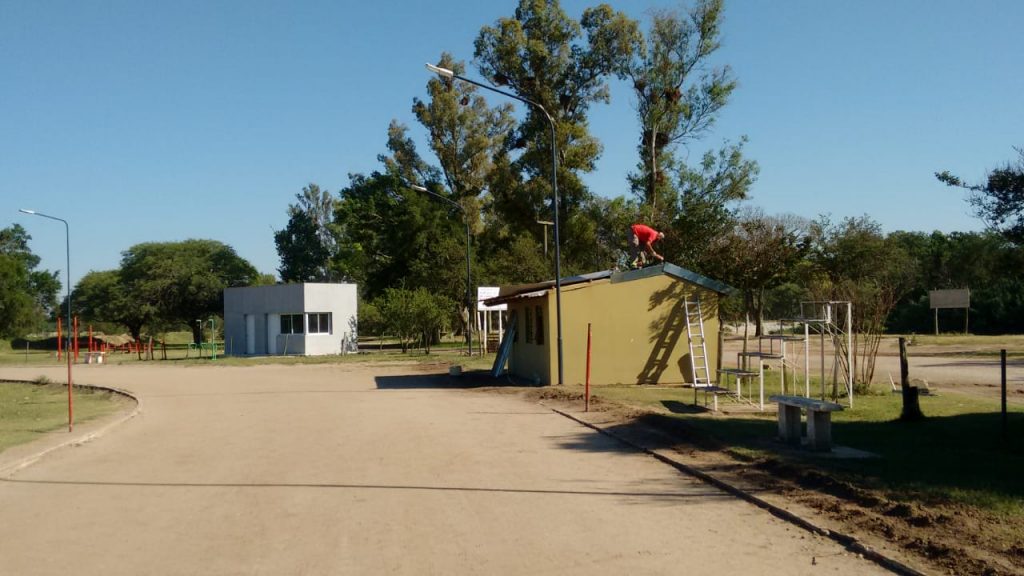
(545, 224)
(470, 304)
(446, 73)
(67, 240)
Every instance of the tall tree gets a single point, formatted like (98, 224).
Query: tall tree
(853, 261)
(1000, 200)
(184, 281)
(545, 56)
(759, 253)
(707, 208)
(678, 94)
(307, 243)
(27, 295)
(103, 296)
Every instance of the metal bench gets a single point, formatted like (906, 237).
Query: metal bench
(819, 421)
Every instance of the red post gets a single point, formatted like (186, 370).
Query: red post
(75, 332)
(90, 338)
(60, 346)
(586, 392)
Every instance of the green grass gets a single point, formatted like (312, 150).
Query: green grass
(28, 411)
(957, 453)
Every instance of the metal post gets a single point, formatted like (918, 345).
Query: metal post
(446, 73)
(68, 351)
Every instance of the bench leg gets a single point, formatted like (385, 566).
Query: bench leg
(789, 424)
(819, 430)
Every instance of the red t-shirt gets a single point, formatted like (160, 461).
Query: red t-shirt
(645, 234)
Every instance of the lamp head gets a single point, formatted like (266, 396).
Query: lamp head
(418, 188)
(440, 71)
(26, 211)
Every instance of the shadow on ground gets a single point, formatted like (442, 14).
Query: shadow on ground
(469, 379)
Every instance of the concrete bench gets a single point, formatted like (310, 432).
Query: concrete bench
(94, 357)
(819, 421)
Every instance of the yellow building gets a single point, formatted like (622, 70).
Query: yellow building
(638, 320)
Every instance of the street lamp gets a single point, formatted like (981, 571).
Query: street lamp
(67, 236)
(213, 338)
(446, 73)
(545, 224)
(469, 298)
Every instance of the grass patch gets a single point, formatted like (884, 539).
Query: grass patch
(956, 454)
(28, 411)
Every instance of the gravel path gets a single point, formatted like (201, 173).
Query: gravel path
(369, 470)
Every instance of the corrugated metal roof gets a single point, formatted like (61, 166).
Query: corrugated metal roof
(515, 292)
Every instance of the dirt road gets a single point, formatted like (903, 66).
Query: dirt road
(369, 470)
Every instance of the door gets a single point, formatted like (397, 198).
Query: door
(250, 334)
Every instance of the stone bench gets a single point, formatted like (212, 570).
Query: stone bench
(94, 357)
(819, 421)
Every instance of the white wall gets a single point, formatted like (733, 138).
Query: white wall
(268, 303)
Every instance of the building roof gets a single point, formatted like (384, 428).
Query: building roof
(517, 291)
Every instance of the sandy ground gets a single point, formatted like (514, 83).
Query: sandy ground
(358, 469)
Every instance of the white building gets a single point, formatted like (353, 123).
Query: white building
(290, 319)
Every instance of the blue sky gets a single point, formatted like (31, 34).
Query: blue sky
(157, 121)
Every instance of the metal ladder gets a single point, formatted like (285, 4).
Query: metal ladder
(698, 346)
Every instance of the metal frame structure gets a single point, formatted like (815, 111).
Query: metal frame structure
(832, 319)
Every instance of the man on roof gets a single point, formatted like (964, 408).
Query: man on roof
(641, 242)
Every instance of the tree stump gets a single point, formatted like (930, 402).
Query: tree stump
(911, 394)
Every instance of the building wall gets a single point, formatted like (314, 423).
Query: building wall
(638, 333)
(530, 360)
(266, 304)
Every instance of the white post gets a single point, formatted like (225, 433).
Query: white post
(850, 355)
(807, 360)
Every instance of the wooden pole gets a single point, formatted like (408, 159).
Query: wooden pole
(60, 347)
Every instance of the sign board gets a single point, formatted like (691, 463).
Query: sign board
(950, 298)
(486, 293)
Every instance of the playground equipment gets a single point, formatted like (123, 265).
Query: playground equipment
(832, 322)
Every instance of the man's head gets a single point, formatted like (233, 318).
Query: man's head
(661, 235)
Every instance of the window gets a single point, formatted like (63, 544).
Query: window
(540, 326)
(291, 324)
(529, 325)
(319, 322)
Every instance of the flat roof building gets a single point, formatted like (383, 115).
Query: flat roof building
(290, 319)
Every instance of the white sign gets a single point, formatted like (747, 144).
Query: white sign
(486, 293)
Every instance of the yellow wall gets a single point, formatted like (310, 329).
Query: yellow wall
(638, 330)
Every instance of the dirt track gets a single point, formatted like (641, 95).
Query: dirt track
(369, 470)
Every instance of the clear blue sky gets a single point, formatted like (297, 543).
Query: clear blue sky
(158, 121)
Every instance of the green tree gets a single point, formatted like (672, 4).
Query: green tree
(307, 243)
(759, 253)
(27, 295)
(707, 209)
(184, 281)
(105, 297)
(853, 261)
(545, 56)
(1000, 200)
(678, 94)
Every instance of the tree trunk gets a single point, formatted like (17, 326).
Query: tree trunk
(911, 394)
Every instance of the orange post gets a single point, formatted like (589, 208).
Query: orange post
(90, 338)
(75, 332)
(586, 391)
(60, 347)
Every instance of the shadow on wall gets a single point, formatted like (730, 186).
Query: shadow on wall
(667, 331)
